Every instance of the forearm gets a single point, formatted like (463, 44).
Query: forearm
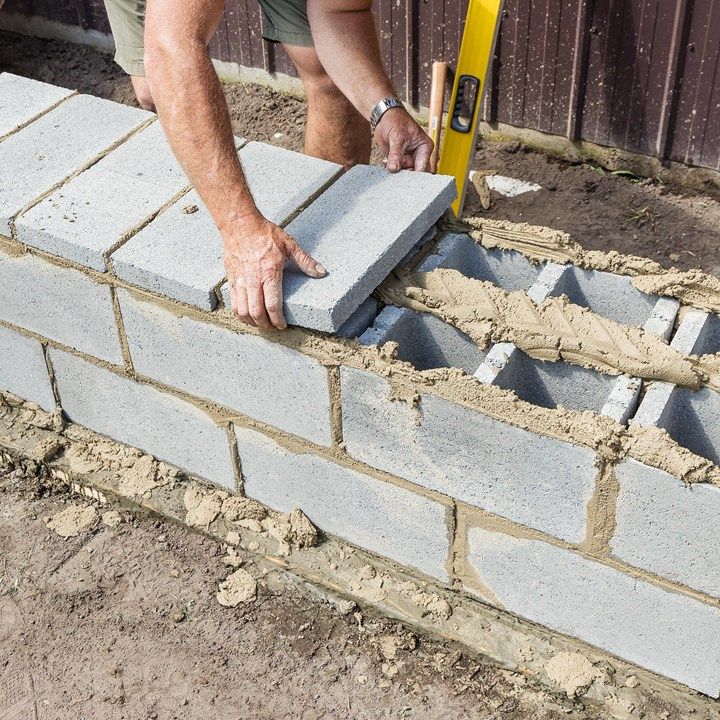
(346, 43)
(192, 110)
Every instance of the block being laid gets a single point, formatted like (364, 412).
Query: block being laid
(86, 217)
(58, 144)
(23, 99)
(179, 254)
(360, 229)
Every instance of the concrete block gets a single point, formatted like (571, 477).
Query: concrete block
(56, 145)
(610, 295)
(359, 229)
(363, 510)
(666, 632)
(469, 456)
(246, 373)
(180, 254)
(424, 340)
(62, 304)
(554, 384)
(360, 320)
(142, 416)
(505, 268)
(23, 99)
(22, 369)
(668, 527)
(86, 217)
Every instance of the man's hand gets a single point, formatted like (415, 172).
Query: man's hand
(404, 142)
(255, 255)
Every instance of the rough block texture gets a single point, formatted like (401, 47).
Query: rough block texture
(373, 514)
(23, 371)
(60, 303)
(249, 374)
(87, 216)
(56, 145)
(142, 416)
(179, 254)
(22, 99)
(469, 456)
(359, 229)
(668, 527)
(663, 631)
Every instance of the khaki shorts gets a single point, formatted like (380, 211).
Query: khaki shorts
(285, 21)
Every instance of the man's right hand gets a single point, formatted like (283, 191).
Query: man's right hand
(255, 253)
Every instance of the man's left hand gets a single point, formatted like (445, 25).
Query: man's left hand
(404, 142)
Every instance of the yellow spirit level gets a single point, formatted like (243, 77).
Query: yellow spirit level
(463, 117)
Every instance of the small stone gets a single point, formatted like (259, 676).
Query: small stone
(190, 209)
(111, 518)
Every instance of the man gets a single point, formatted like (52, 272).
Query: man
(333, 45)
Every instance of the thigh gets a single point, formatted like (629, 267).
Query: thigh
(286, 22)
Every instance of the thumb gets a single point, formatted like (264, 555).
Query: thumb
(396, 153)
(304, 262)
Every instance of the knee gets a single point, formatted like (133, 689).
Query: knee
(142, 93)
(319, 86)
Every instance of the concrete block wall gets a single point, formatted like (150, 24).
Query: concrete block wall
(124, 330)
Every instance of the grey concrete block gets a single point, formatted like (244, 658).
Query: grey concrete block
(668, 527)
(554, 384)
(22, 369)
(505, 268)
(424, 340)
(363, 510)
(142, 416)
(86, 217)
(23, 99)
(360, 320)
(691, 417)
(359, 230)
(610, 295)
(469, 456)
(180, 254)
(666, 632)
(56, 145)
(59, 303)
(246, 373)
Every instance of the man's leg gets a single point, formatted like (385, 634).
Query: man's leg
(127, 22)
(142, 92)
(335, 130)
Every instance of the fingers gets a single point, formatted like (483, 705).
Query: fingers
(304, 262)
(256, 301)
(422, 157)
(396, 154)
(241, 306)
(272, 290)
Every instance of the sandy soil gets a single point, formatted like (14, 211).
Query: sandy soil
(602, 211)
(123, 623)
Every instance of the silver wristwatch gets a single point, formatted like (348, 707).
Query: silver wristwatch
(380, 109)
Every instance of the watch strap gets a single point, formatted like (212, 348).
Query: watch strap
(381, 108)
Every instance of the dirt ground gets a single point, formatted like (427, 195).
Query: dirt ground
(601, 210)
(123, 624)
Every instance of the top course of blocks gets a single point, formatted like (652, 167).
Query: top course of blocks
(89, 163)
